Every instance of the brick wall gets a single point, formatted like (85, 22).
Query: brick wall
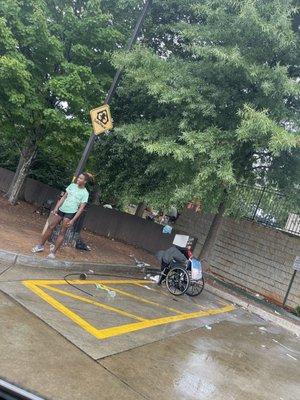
(249, 255)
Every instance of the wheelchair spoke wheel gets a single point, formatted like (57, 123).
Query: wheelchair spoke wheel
(195, 287)
(177, 281)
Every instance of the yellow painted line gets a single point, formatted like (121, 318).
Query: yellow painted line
(87, 282)
(222, 302)
(122, 329)
(142, 300)
(111, 282)
(168, 295)
(61, 308)
(95, 303)
(138, 282)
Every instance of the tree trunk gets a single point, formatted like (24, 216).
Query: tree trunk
(212, 234)
(25, 161)
(140, 209)
(16, 174)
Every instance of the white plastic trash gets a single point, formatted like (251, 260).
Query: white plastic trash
(181, 240)
(154, 278)
(196, 269)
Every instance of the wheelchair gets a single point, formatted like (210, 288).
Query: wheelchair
(179, 280)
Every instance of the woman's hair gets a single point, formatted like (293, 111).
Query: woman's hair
(88, 177)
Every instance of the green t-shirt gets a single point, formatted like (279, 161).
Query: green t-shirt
(76, 196)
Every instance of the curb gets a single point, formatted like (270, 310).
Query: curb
(261, 312)
(32, 261)
(8, 256)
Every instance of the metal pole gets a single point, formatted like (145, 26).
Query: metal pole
(289, 288)
(114, 85)
(259, 202)
(85, 155)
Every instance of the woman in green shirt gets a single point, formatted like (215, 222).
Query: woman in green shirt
(68, 210)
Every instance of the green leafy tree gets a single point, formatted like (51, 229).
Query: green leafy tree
(54, 67)
(209, 97)
(220, 99)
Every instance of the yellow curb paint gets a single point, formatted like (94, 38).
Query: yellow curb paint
(95, 303)
(116, 330)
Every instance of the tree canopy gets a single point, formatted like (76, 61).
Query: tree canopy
(221, 99)
(209, 97)
(54, 67)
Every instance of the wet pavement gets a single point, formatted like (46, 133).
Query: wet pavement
(106, 315)
(202, 348)
(235, 359)
(37, 358)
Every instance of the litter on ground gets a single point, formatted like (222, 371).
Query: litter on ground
(262, 328)
(154, 278)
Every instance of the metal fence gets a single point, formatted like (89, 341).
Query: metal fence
(267, 207)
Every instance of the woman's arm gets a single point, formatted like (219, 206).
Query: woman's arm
(77, 215)
(60, 203)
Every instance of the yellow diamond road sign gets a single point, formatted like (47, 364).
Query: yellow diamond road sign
(101, 119)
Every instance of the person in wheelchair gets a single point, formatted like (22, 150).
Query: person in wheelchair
(171, 257)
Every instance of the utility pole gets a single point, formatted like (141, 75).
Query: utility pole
(114, 85)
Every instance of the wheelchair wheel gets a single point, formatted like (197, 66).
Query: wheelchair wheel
(195, 287)
(177, 281)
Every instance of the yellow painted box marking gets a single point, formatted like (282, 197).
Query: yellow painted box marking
(37, 286)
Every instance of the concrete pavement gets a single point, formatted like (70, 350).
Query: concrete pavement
(233, 355)
(139, 313)
(39, 359)
(241, 359)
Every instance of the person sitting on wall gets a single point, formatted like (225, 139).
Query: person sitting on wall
(68, 210)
